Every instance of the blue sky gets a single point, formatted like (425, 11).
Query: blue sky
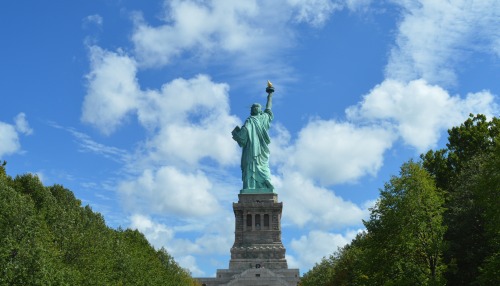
(131, 105)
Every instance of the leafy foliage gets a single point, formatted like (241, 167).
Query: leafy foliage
(48, 238)
(322, 273)
(407, 225)
(488, 199)
(346, 267)
(468, 181)
(436, 223)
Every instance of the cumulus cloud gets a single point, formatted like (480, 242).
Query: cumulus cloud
(333, 152)
(9, 141)
(419, 111)
(184, 250)
(169, 190)
(161, 236)
(313, 206)
(112, 91)
(22, 125)
(228, 26)
(156, 233)
(192, 118)
(189, 262)
(280, 144)
(434, 36)
(311, 248)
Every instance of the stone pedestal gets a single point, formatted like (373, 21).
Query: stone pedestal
(257, 232)
(257, 255)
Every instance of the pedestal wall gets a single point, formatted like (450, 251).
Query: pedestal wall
(257, 240)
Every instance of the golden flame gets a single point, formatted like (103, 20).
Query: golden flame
(269, 84)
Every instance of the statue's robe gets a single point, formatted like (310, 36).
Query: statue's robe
(253, 137)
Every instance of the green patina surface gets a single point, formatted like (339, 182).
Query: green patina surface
(253, 138)
(257, 191)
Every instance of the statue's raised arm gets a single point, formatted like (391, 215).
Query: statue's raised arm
(269, 90)
(253, 138)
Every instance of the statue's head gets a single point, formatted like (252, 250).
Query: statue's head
(256, 109)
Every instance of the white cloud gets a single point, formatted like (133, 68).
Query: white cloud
(181, 98)
(338, 152)
(112, 91)
(434, 36)
(160, 235)
(185, 250)
(312, 248)
(189, 262)
(22, 124)
(313, 206)
(293, 262)
(314, 12)
(496, 46)
(357, 5)
(220, 25)
(93, 19)
(192, 118)
(169, 190)
(204, 245)
(419, 111)
(157, 234)
(317, 12)
(9, 141)
(280, 143)
(87, 144)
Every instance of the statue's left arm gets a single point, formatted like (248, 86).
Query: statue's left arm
(240, 135)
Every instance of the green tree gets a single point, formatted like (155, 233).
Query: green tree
(475, 136)
(176, 275)
(26, 255)
(405, 231)
(488, 191)
(321, 274)
(350, 266)
(458, 170)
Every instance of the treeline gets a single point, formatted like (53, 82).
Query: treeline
(48, 238)
(436, 223)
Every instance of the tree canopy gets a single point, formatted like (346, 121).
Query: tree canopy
(49, 238)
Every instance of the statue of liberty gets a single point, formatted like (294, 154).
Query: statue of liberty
(254, 139)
